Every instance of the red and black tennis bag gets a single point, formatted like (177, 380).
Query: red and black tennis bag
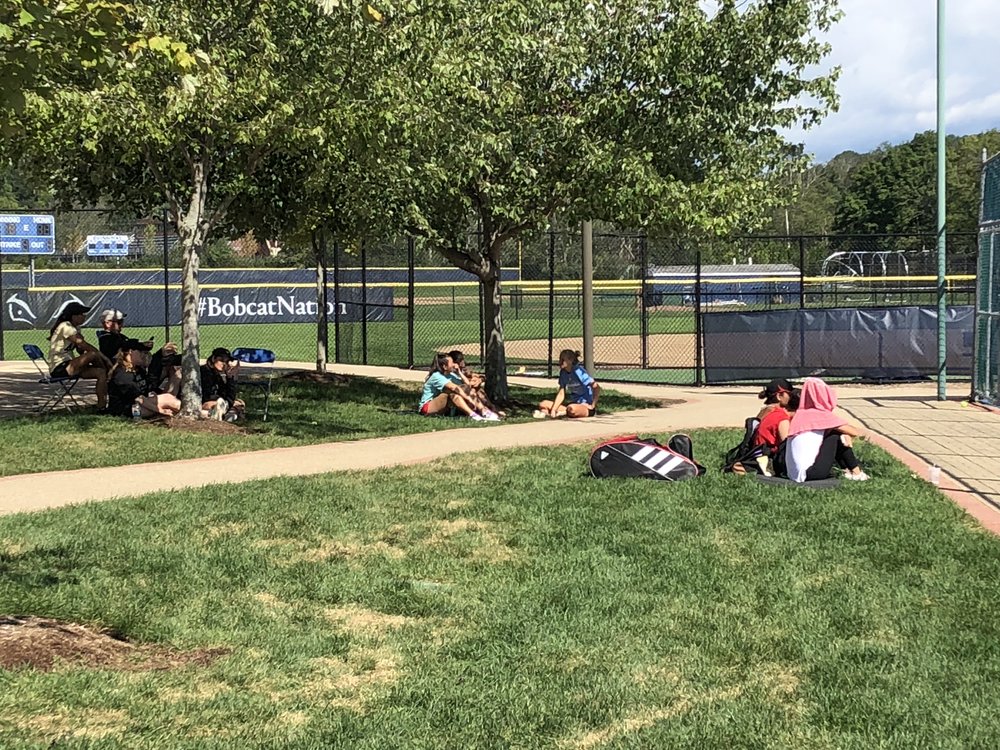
(646, 458)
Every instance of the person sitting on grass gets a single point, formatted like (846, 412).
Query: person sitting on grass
(578, 391)
(772, 432)
(165, 362)
(130, 384)
(218, 387)
(472, 387)
(441, 394)
(89, 363)
(818, 438)
(774, 394)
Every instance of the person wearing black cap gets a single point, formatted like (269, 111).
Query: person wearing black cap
(218, 386)
(89, 363)
(130, 384)
(775, 394)
(165, 362)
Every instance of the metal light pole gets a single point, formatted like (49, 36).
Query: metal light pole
(942, 213)
(588, 296)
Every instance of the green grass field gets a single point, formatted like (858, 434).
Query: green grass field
(506, 600)
(301, 414)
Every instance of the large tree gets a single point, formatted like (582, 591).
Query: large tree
(895, 192)
(657, 114)
(197, 142)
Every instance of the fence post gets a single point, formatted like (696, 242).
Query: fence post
(1, 309)
(166, 279)
(802, 273)
(336, 302)
(552, 298)
(410, 298)
(698, 329)
(643, 315)
(364, 302)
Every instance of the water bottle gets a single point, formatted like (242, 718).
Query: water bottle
(934, 475)
(136, 411)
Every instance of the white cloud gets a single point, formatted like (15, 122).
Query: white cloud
(887, 50)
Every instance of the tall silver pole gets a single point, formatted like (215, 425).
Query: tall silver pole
(942, 214)
(588, 296)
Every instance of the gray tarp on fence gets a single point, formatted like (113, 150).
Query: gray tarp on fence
(875, 343)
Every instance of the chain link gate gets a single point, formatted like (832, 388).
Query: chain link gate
(986, 378)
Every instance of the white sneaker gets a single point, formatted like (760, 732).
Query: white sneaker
(220, 408)
(860, 477)
(231, 417)
(476, 418)
(539, 414)
(491, 416)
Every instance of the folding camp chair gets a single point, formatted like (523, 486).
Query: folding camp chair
(252, 356)
(61, 387)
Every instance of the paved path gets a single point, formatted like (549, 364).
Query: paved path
(906, 420)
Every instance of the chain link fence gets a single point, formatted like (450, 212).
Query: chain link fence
(986, 378)
(396, 302)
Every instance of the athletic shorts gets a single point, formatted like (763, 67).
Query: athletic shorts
(426, 409)
(60, 371)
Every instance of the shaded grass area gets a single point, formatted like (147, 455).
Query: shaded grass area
(301, 413)
(507, 600)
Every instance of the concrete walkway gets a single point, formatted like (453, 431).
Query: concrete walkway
(906, 420)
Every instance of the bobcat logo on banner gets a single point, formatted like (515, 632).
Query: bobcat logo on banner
(19, 311)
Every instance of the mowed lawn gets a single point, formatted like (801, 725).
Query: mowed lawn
(507, 600)
(301, 413)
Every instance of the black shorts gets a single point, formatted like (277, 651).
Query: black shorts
(60, 371)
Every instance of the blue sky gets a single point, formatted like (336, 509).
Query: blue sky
(886, 49)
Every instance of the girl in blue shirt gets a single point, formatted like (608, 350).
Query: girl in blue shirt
(578, 391)
(441, 394)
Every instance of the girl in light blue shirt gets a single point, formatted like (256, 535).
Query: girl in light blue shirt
(578, 391)
(441, 394)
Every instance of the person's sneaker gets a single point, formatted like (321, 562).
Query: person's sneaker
(476, 418)
(219, 410)
(230, 416)
(491, 416)
(859, 477)
(539, 414)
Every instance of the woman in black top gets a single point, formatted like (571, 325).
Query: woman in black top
(130, 384)
(218, 386)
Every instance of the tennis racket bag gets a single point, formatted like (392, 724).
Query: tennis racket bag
(645, 458)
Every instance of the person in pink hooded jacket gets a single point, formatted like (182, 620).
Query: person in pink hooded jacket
(818, 438)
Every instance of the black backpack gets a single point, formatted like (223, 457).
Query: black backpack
(742, 459)
(646, 458)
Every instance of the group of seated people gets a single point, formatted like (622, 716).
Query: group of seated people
(801, 437)
(128, 373)
(452, 388)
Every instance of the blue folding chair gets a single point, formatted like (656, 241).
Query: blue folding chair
(253, 356)
(62, 388)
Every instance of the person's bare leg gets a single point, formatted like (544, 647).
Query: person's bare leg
(100, 375)
(438, 404)
(578, 411)
(461, 404)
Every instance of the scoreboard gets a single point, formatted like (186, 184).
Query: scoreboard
(108, 245)
(29, 234)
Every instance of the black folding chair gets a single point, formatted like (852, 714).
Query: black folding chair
(60, 389)
(253, 356)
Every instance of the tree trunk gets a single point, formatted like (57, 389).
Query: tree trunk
(322, 329)
(193, 230)
(496, 355)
